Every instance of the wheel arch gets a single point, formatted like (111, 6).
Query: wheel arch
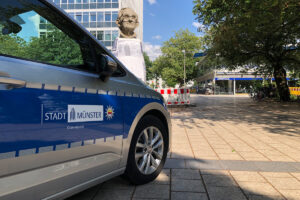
(154, 109)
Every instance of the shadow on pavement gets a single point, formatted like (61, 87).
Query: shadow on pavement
(276, 118)
(185, 181)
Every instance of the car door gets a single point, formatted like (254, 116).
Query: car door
(53, 106)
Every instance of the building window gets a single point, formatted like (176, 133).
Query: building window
(108, 35)
(115, 34)
(78, 17)
(107, 17)
(72, 15)
(93, 17)
(42, 34)
(114, 16)
(100, 35)
(100, 17)
(43, 20)
(115, 5)
(86, 17)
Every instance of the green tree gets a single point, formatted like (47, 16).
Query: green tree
(263, 35)
(148, 63)
(55, 48)
(12, 45)
(170, 66)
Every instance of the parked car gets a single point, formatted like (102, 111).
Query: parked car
(71, 115)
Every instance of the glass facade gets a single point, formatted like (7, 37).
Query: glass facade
(97, 16)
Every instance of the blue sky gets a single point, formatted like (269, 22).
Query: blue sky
(162, 18)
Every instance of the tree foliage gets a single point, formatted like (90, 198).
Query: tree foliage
(263, 35)
(149, 74)
(170, 66)
(12, 45)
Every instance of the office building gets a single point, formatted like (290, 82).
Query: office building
(99, 16)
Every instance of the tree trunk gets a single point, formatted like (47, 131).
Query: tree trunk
(281, 82)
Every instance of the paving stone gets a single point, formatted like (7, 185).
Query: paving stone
(115, 194)
(187, 185)
(218, 180)
(185, 174)
(230, 156)
(297, 175)
(256, 188)
(296, 164)
(215, 172)
(87, 194)
(291, 194)
(280, 158)
(205, 153)
(204, 164)
(247, 176)
(197, 157)
(225, 193)
(256, 158)
(271, 152)
(117, 183)
(148, 199)
(188, 196)
(276, 174)
(259, 197)
(251, 154)
(224, 150)
(163, 177)
(175, 164)
(285, 183)
(152, 191)
(237, 165)
(182, 156)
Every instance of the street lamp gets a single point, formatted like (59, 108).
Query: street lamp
(183, 51)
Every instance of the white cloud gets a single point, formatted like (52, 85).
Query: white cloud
(153, 51)
(156, 37)
(199, 26)
(152, 2)
(152, 14)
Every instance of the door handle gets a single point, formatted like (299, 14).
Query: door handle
(11, 83)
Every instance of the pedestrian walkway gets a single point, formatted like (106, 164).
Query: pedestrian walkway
(224, 148)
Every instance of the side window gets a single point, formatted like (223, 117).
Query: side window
(28, 35)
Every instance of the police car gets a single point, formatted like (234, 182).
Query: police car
(71, 115)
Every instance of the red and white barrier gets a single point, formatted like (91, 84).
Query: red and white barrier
(180, 96)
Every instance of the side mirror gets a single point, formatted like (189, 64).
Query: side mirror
(109, 66)
(11, 27)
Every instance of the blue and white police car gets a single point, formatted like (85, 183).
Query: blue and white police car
(71, 115)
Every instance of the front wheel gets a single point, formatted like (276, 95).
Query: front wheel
(148, 151)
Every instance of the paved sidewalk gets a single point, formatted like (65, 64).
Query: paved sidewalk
(224, 148)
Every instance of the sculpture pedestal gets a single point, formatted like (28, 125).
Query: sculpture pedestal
(130, 53)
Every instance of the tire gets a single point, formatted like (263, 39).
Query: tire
(139, 152)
